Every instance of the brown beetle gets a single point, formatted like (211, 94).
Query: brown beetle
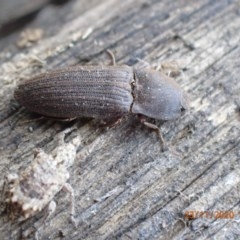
(104, 92)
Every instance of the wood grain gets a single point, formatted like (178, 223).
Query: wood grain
(126, 188)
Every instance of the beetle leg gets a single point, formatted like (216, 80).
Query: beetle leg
(172, 68)
(111, 54)
(155, 128)
(110, 124)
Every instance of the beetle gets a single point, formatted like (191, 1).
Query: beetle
(104, 92)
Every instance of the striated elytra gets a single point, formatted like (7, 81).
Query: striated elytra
(104, 92)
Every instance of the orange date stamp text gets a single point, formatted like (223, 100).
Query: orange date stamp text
(193, 214)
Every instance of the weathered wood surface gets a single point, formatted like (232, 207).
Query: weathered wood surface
(127, 188)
